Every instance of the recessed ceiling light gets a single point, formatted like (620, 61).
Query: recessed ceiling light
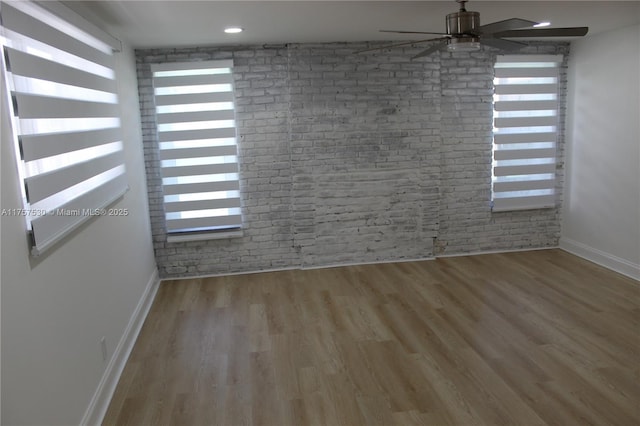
(233, 30)
(542, 24)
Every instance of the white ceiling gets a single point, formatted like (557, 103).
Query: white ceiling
(153, 23)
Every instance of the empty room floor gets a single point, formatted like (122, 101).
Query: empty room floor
(528, 338)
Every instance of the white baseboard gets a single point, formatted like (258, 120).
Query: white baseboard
(107, 386)
(609, 261)
(373, 262)
(226, 274)
(482, 252)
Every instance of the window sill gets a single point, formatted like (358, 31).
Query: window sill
(204, 236)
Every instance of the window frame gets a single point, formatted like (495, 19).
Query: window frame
(526, 117)
(184, 124)
(61, 86)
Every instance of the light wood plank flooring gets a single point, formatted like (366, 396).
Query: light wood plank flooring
(531, 338)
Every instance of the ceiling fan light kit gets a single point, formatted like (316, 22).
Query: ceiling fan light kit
(465, 34)
(466, 44)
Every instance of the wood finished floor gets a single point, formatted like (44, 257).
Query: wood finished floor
(531, 338)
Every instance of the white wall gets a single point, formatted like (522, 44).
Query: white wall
(601, 217)
(55, 312)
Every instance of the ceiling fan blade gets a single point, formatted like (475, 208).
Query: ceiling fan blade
(410, 32)
(498, 43)
(430, 50)
(406, 43)
(506, 25)
(544, 32)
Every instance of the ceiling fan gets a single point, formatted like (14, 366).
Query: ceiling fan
(464, 33)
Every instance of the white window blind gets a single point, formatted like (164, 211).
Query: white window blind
(525, 131)
(60, 75)
(198, 153)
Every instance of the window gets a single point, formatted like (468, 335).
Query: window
(198, 153)
(525, 131)
(65, 116)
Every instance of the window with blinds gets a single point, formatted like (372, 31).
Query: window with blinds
(65, 115)
(198, 153)
(525, 131)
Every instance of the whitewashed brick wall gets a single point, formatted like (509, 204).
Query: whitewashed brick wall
(364, 138)
(350, 158)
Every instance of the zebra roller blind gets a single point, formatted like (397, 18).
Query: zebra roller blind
(197, 144)
(525, 131)
(60, 75)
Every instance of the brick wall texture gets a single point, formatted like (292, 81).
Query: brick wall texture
(353, 158)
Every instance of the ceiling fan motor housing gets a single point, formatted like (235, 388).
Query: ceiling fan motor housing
(464, 26)
(463, 23)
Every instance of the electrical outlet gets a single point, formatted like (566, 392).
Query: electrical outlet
(103, 346)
